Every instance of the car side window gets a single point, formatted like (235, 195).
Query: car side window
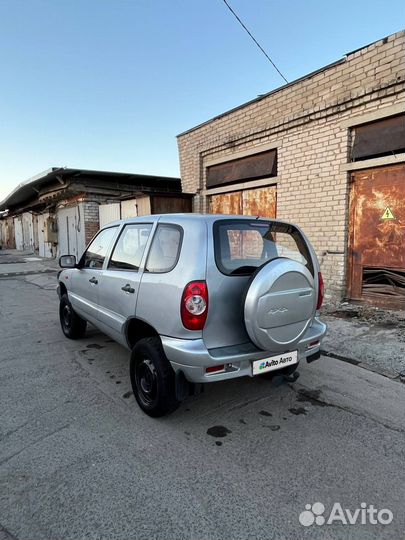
(165, 249)
(128, 251)
(95, 254)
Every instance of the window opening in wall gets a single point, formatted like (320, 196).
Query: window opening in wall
(377, 139)
(262, 165)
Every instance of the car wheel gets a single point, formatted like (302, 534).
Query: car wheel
(152, 378)
(73, 326)
(279, 304)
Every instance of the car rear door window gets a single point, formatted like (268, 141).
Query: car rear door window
(95, 254)
(128, 251)
(242, 246)
(165, 249)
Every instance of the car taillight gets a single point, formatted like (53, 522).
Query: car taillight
(215, 369)
(194, 305)
(321, 290)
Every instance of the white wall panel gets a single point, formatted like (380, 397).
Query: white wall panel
(129, 209)
(109, 213)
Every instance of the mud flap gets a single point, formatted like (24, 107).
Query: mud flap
(184, 388)
(313, 357)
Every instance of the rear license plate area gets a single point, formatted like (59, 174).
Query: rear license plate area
(274, 362)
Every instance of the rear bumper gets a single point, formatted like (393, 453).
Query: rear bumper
(192, 357)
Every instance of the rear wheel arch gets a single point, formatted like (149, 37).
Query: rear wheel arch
(137, 329)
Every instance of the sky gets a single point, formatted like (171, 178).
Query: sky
(108, 84)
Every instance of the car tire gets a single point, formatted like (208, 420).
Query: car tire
(73, 326)
(152, 378)
(274, 290)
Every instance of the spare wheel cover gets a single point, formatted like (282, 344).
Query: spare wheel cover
(279, 305)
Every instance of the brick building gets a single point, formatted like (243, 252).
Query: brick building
(322, 151)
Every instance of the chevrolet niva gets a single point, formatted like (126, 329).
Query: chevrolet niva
(196, 299)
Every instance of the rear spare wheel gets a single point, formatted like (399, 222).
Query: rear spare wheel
(279, 305)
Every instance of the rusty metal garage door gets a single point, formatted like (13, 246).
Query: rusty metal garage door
(249, 202)
(377, 236)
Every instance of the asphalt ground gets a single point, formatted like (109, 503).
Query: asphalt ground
(79, 459)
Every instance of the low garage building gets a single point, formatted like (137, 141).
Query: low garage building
(61, 209)
(327, 152)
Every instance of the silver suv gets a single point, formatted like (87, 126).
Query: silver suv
(197, 299)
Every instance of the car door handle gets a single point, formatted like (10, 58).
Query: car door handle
(93, 280)
(128, 288)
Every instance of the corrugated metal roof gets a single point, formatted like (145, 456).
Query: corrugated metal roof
(27, 189)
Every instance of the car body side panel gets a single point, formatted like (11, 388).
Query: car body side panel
(160, 294)
(116, 306)
(84, 295)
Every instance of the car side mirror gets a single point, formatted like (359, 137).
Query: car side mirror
(67, 261)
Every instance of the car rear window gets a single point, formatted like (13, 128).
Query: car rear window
(165, 249)
(241, 246)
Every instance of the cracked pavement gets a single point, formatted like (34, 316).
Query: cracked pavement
(78, 459)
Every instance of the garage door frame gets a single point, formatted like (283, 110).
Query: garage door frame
(355, 265)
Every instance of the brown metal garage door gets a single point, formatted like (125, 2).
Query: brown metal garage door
(377, 236)
(249, 202)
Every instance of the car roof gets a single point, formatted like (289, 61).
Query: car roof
(181, 218)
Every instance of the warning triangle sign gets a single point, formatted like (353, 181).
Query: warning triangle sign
(387, 214)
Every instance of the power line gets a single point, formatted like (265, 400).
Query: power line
(255, 40)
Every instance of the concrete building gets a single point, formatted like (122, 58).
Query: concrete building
(60, 210)
(327, 152)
